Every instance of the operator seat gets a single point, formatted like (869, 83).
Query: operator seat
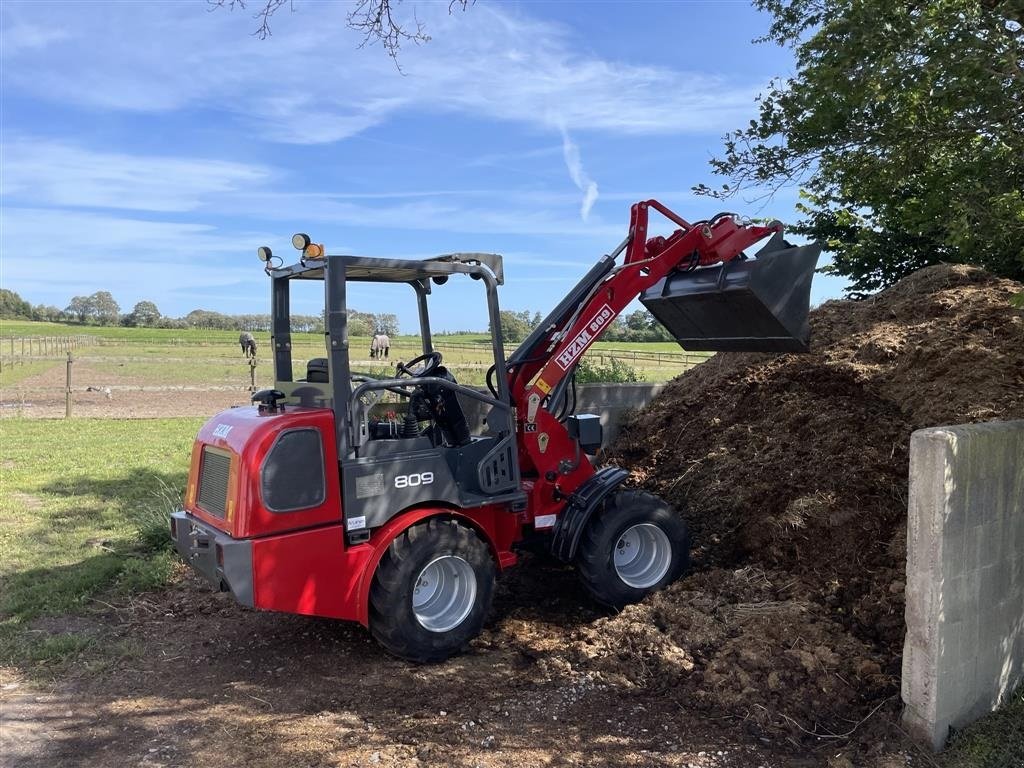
(317, 371)
(448, 411)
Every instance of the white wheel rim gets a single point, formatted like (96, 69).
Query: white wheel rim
(642, 555)
(444, 593)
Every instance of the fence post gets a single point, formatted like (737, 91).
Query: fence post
(67, 392)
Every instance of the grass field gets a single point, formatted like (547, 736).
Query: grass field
(197, 358)
(83, 514)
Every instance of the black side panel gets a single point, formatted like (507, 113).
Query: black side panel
(292, 476)
(376, 489)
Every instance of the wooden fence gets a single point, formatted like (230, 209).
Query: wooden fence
(19, 350)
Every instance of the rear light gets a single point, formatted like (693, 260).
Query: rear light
(220, 555)
(174, 528)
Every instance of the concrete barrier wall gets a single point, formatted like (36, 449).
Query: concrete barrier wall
(609, 401)
(964, 649)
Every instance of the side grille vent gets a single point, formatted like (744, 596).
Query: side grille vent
(495, 473)
(213, 481)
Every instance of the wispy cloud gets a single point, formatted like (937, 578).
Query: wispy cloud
(573, 163)
(63, 174)
(69, 252)
(308, 84)
(19, 36)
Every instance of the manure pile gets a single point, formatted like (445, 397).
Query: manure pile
(792, 472)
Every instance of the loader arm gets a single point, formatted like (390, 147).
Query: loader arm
(540, 368)
(564, 336)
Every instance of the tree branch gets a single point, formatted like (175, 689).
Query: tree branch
(374, 19)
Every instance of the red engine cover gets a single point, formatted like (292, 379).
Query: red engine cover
(249, 435)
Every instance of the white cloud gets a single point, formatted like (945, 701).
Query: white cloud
(18, 37)
(58, 173)
(310, 84)
(51, 255)
(586, 185)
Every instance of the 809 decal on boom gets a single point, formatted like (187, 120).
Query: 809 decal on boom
(413, 480)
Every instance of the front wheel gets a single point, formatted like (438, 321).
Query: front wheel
(431, 591)
(634, 545)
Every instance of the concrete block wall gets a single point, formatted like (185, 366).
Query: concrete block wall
(964, 648)
(609, 401)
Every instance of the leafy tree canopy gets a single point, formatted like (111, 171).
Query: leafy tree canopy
(144, 314)
(515, 326)
(902, 128)
(12, 306)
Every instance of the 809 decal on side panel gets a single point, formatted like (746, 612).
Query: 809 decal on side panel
(414, 480)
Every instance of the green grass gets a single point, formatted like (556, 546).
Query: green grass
(83, 512)
(995, 741)
(192, 357)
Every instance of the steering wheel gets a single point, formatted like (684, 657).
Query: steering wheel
(429, 363)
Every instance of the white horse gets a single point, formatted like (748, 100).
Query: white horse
(380, 346)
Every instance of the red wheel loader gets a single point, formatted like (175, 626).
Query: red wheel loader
(311, 502)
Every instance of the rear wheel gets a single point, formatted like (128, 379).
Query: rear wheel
(634, 545)
(431, 591)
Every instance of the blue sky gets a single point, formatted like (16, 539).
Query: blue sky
(148, 148)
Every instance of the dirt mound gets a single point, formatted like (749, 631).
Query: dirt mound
(795, 467)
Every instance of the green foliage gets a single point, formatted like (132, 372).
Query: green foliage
(638, 326)
(47, 313)
(516, 326)
(902, 125)
(614, 372)
(144, 314)
(99, 308)
(13, 306)
(370, 324)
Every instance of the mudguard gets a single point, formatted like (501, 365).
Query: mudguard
(582, 504)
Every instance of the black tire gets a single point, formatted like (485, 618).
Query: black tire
(393, 618)
(603, 537)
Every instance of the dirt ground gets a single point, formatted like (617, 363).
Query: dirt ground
(204, 682)
(100, 394)
(782, 648)
(792, 471)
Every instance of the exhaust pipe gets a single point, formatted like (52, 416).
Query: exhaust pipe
(743, 305)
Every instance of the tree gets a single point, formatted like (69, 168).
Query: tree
(46, 313)
(207, 319)
(79, 308)
(902, 126)
(515, 326)
(387, 323)
(145, 314)
(374, 19)
(13, 306)
(103, 309)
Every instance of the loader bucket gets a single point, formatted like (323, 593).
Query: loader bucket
(752, 305)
